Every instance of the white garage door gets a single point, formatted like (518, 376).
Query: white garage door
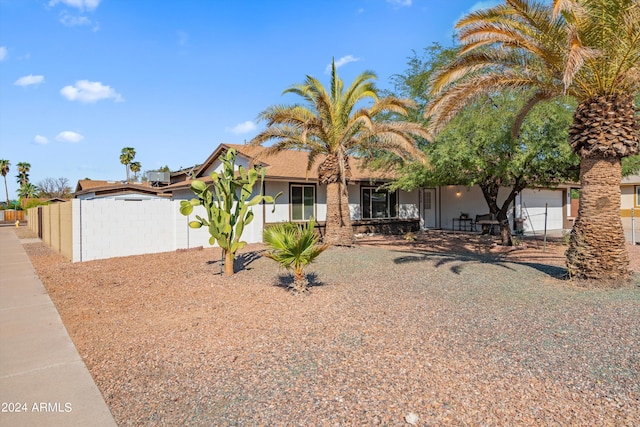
(533, 208)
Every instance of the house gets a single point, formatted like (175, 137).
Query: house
(374, 209)
(630, 196)
(88, 189)
(111, 219)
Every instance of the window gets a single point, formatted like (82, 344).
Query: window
(303, 202)
(637, 195)
(379, 203)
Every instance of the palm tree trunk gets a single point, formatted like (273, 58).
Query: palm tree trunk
(6, 190)
(338, 223)
(597, 249)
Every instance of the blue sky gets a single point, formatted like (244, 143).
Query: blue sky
(81, 79)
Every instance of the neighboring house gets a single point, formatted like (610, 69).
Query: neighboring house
(630, 197)
(374, 209)
(88, 189)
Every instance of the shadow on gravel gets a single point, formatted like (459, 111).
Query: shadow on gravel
(285, 280)
(241, 262)
(441, 260)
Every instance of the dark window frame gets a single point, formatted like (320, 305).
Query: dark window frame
(369, 212)
(293, 185)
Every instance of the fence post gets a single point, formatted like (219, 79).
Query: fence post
(633, 227)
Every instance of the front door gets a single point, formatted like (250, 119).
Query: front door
(429, 208)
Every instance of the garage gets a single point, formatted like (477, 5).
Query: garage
(531, 207)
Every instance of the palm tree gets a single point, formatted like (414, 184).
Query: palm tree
(294, 247)
(4, 168)
(587, 49)
(126, 157)
(330, 128)
(135, 168)
(28, 191)
(23, 173)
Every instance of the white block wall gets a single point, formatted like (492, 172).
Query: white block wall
(107, 228)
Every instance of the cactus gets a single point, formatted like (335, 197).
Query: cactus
(228, 203)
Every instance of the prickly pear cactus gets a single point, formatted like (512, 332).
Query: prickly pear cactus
(228, 203)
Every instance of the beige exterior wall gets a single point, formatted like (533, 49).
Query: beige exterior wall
(56, 227)
(628, 201)
(66, 229)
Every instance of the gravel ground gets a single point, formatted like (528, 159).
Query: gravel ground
(447, 330)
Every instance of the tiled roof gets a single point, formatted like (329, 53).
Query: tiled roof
(109, 187)
(288, 165)
(292, 164)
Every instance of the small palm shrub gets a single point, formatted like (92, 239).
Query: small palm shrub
(294, 247)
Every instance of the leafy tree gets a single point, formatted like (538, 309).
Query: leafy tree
(4, 168)
(294, 247)
(329, 125)
(126, 157)
(630, 165)
(59, 188)
(587, 49)
(477, 148)
(23, 173)
(228, 203)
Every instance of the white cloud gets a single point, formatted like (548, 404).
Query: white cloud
(89, 92)
(244, 127)
(342, 61)
(74, 21)
(3, 53)
(29, 80)
(400, 3)
(78, 4)
(69, 136)
(39, 139)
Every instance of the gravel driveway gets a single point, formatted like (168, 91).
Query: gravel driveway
(443, 331)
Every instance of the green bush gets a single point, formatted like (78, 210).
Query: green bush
(294, 247)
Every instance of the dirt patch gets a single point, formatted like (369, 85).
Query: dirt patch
(451, 329)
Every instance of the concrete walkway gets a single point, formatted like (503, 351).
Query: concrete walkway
(43, 380)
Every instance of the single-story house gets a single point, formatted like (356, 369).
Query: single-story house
(374, 209)
(89, 189)
(630, 197)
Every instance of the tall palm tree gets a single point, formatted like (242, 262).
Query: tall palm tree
(4, 168)
(587, 49)
(329, 125)
(23, 173)
(135, 168)
(126, 157)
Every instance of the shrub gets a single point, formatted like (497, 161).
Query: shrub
(294, 247)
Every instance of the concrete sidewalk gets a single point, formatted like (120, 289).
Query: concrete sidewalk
(43, 380)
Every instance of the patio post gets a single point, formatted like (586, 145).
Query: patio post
(633, 227)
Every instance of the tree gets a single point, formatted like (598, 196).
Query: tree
(23, 173)
(58, 188)
(294, 247)
(330, 127)
(228, 205)
(126, 157)
(135, 168)
(4, 168)
(28, 191)
(587, 49)
(477, 148)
